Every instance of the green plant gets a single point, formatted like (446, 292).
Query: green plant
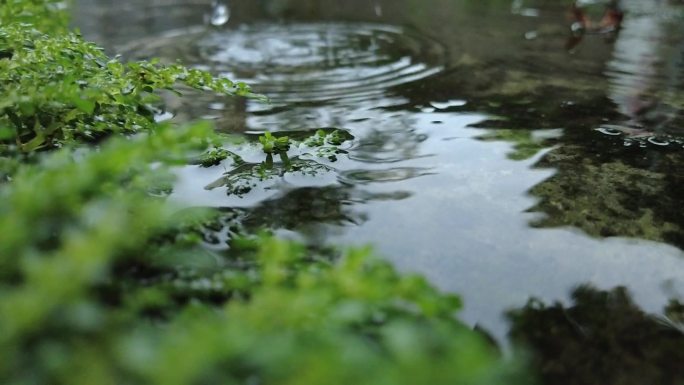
(327, 143)
(271, 144)
(59, 89)
(244, 176)
(214, 156)
(45, 15)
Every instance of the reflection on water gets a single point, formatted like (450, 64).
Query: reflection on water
(630, 193)
(602, 338)
(485, 154)
(646, 78)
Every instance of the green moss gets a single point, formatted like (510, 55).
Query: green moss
(603, 198)
(525, 144)
(601, 332)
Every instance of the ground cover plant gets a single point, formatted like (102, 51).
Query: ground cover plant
(57, 89)
(103, 282)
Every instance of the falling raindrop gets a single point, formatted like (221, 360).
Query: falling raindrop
(529, 12)
(531, 35)
(220, 13)
(163, 116)
(217, 106)
(378, 10)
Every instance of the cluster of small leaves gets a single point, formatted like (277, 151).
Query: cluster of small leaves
(215, 155)
(58, 89)
(46, 15)
(271, 144)
(328, 144)
(246, 176)
(334, 138)
(214, 228)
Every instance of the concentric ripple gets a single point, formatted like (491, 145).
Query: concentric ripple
(308, 62)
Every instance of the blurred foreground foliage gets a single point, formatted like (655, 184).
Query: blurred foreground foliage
(96, 286)
(45, 15)
(104, 282)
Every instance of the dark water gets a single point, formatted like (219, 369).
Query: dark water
(494, 152)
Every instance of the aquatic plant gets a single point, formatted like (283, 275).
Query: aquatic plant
(322, 137)
(328, 143)
(244, 176)
(215, 155)
(271, 144)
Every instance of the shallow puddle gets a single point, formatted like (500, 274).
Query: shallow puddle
(493, 150)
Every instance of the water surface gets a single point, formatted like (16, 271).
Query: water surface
(493, 151)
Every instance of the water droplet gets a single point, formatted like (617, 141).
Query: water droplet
(529, 12)
(609, 131)
(577, 27)
(162, 116)
(220, 13)
(217, 106)
(378, 10)
(448, 104)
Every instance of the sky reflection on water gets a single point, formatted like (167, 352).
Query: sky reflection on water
(489, 174)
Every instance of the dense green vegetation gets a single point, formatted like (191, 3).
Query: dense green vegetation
(57, 89)
(102, 281)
